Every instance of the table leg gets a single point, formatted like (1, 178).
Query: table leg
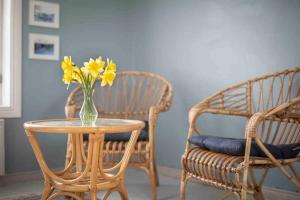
(122, 190)
(97, 140)
(47, 190)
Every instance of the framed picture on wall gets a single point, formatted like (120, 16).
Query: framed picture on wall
(43, 47)
(43, 14)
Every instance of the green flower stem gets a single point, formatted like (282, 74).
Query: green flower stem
(88, 112)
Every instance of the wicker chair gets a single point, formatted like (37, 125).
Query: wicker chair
(134, 95)
(270, 105)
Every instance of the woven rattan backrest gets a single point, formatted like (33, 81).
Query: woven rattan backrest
(131, 95)
(233, 100)
(269, 92)
(275, 89)
(258, 95)
(262, 94)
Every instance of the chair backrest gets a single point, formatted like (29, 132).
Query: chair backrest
(260, 94)
(256, 95)
(131, 95)
(274, 89)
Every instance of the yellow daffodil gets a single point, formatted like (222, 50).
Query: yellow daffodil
(67, 78)
(67, 64)
(110, 65)
(68, 68)
(94, 67)
(93, 70)
(87, 76)
(100, 62)
(108, 77)
(77, 76)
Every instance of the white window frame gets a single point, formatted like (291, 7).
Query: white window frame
(11, 58)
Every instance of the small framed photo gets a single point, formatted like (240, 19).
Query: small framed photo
(43, 47)
(43, 14)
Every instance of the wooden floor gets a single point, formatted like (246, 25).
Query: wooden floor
(138, 188)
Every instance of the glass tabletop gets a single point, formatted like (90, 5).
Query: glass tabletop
(75, 125)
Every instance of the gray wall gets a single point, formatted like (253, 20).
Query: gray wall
(200, 46)
(86, 30)
(204, 46)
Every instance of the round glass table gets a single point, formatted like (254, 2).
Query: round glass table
(84, 172)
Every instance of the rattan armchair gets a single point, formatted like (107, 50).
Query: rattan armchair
(270, 105)
(134, 95)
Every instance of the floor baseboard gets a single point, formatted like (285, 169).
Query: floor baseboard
(269, 192)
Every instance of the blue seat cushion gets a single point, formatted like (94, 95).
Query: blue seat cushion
(236, 147)
(120, 137)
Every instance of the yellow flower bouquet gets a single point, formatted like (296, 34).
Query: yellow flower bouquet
(87, 76)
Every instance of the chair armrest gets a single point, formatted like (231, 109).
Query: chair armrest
(166, 100)
(235, 100)
(163, 106)
(153, 115)
(286, 111)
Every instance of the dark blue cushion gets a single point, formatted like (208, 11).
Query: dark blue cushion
(144, 135)
(236, 147)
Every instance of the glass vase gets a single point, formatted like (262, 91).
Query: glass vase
(88, 113)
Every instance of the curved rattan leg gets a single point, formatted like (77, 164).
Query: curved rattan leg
(106, 194)
(183, 183)
(64, 194)
(93, 195)
(80, 194)
(68, 151)
(47, 190)
(123, 191)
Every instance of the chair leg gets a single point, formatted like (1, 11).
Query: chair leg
(258, 195)
(183, 183)
(152, 179)
(156, 172)
(238, 196)
(243, 195)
